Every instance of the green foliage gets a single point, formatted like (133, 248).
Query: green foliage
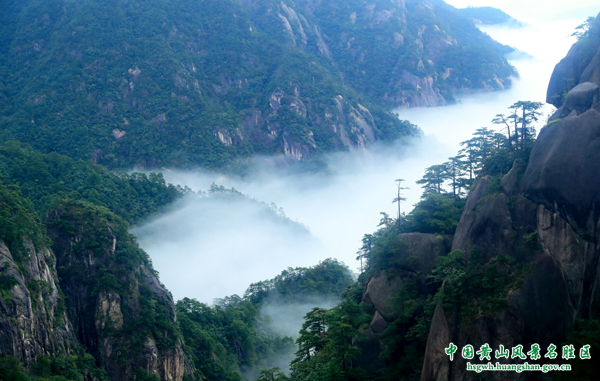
(435, 213)
(273, 374)
(43, 178)
(7, 282)
(486, 153)
(224, 340)
(327, 343)
(585, 332)
(477, 284)
(19, 223)
(233, 337)
(10, 370)
(329, 278)
(582, 31)
(387, 250)
(77, 367)
(142, 375)
(37, 289)
(405, 338)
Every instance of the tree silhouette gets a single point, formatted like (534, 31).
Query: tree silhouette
(433, 179)
(399, 198)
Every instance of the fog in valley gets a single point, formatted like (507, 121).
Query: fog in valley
(207, 250)
(210, 247)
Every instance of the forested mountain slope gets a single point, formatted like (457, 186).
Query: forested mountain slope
(489, 16)
(79, 299)
(77, 295)
(155, 83)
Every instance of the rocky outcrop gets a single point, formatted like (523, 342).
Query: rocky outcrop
(582, 64)
(32, 316)
(416, 260)
(546, 218)
(410, 90)
(410, 266)
(540, 310)
(118, 306)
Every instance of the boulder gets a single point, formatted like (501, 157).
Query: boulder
(580, 65)
(592, 72)
(379, 291)
(562, 173)
(378, 324)
(581, 97)
(421, 253)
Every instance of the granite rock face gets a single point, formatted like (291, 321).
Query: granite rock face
(423, 250)
(95, 291)
(32, 318)
(582, 64)
(118, 305)
(547, 216)
(416, 260)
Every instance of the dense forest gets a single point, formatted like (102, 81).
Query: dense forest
(491, 251)
(501, 244)
(183, 83)
(236, 331)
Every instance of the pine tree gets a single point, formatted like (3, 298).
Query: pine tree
(399, 200)
(433, 179)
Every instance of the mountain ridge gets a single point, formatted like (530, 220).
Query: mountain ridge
(179, 84)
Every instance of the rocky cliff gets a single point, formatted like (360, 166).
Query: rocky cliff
(95, 291)
(32, 310)
(542, 219)
(122, 314)
(414, 260)
(32, 315)
(579, 66)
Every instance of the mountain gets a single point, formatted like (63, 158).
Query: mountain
(156, 83)
(544, 218)
(79, 299)
(520, 270)
(45, 178)
(239, 336)
(489, 16)
(78, 296)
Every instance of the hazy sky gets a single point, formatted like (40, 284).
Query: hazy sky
(209, 250)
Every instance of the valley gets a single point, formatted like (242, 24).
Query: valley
(295, 190)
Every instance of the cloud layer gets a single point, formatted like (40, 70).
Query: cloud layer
(208, 249)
